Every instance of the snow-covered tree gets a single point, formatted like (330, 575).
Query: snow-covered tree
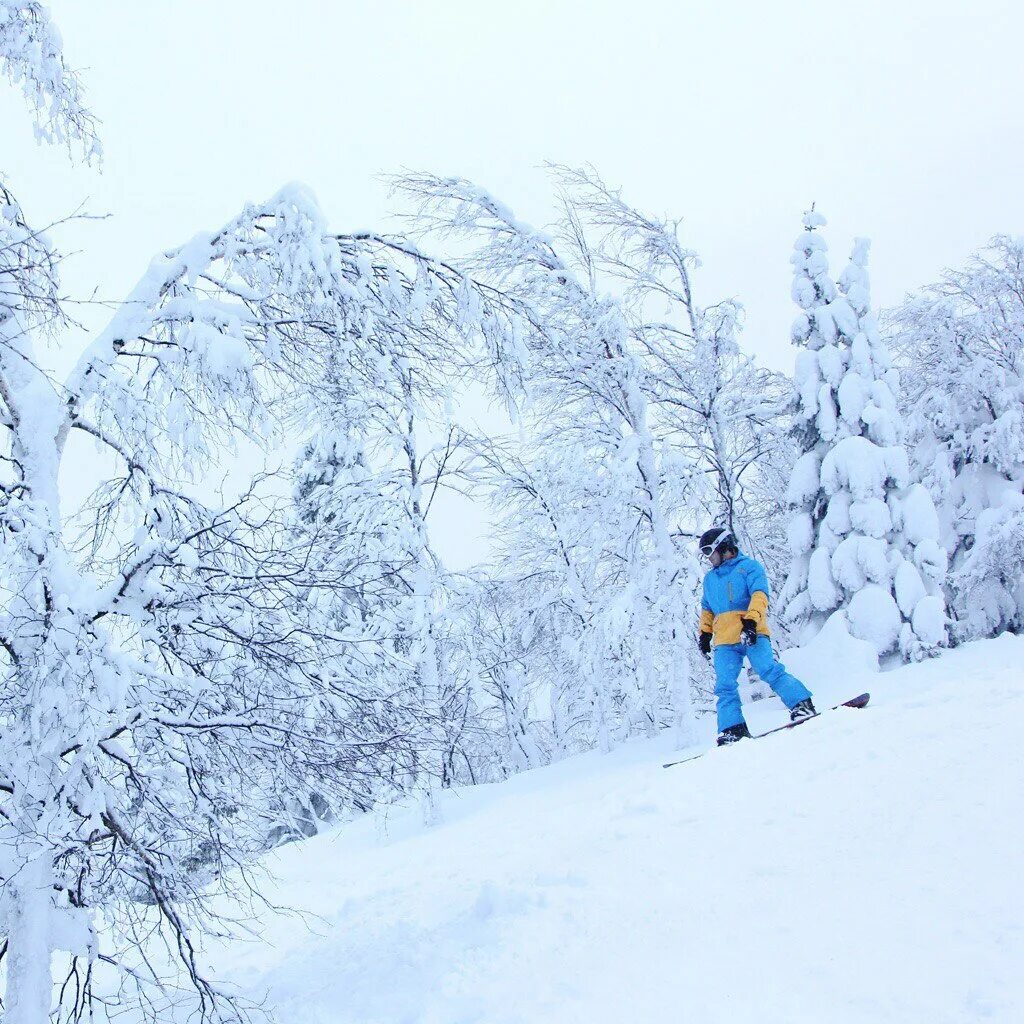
(550, 556)
(864, 538)
(961, 345)
(640, 410)
(727, 415)
(711, 402)
(169, 672)
(387, 444)
(518, 698)
(589, 410)
(163, 675)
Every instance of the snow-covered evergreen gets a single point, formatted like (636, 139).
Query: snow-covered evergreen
(864, 537)
(961, 343)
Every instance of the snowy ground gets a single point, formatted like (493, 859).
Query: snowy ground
(865, 867)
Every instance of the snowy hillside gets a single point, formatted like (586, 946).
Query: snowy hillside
(865, 867)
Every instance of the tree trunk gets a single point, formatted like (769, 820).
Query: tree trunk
(29, 980)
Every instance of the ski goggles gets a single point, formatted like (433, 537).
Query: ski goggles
(707, 550)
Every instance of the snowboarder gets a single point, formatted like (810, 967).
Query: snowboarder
(734, 614)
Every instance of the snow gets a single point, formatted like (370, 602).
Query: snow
(871, 517)
(863, 867)
(843, 317)
(875, 617)
(931, 559)
(846, 564)
(920, 520)
(862, 467)
(929, 619)
(826, 420)
(800, 533)
(859, 559)
(831, 364)
(910, 587)
(820, 583)
(853, 397)
(804, 479)
(838, 516)
(803, 482)
(811, 220)
(832, 645)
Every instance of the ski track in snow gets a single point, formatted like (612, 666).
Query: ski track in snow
(863, 867)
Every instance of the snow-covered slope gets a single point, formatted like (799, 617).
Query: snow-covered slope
(865, 867)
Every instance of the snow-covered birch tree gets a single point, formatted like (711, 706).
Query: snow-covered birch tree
(713, 406)
(167, 671)
(589, 407)
(367, 482)
(864, 538)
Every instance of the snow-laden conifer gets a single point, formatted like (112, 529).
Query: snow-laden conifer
(961, 346)
(863, 537)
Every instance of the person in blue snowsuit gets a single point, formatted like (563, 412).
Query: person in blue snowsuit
(734, 618)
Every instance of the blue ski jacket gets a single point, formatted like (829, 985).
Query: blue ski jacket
(737, 589)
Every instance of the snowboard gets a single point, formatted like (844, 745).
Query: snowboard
(860, 701)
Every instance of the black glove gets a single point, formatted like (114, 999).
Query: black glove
(704, 643)
(748, 632)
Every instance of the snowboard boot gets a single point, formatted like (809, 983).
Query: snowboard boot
(805, 709)
(733, 734)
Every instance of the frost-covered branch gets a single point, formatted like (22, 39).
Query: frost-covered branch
(32, 56)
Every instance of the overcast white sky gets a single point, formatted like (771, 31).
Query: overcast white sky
(900, 119)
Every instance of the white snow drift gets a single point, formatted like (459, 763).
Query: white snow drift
(861, 868)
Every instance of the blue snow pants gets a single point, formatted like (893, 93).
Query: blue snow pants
(729, 661)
